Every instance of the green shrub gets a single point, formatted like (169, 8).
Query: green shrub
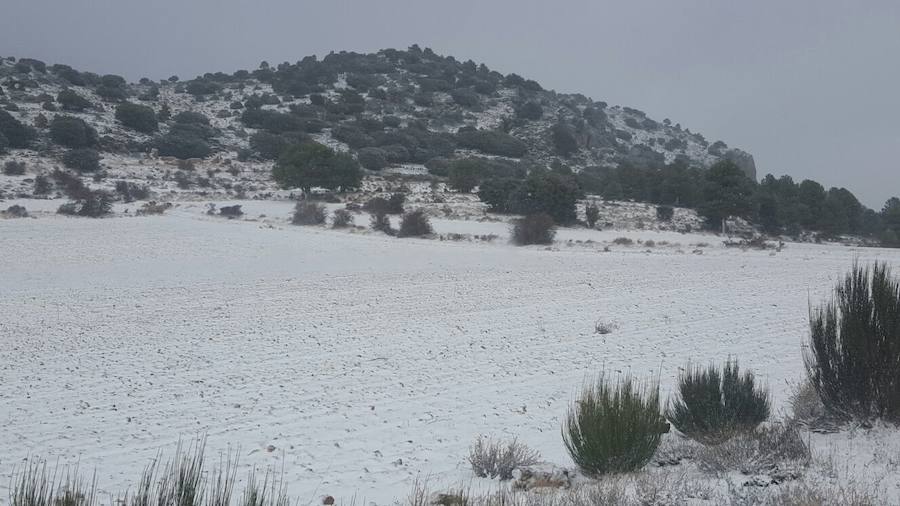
(464, 174)
(137, 117)
(181, 145)
(665, 213)
(4, 143)
(492, 142)
(82, 159)
(591, 214)
(71, 101)
(613, 427)
(465, 97)
(267, 145)
(853, 357)
(14, 168)
(308, 213)
(533, 229)
(372, 158)
(563, 139)
(415, 224)
(17, 134)
(92, 204)
(191, 118)
(42, 185)
(72, 132)
(530, 111)
(312, 164)
(202, 87)
(391, 205)
(715, 404)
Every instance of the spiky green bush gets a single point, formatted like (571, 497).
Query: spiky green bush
(713, 404)
(853, 357)
(613, 427)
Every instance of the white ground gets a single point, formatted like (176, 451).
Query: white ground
(365, 360)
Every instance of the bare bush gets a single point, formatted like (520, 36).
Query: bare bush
(533, 229)
(415, 224)
(779, 450)
(623, 241)
(153, 207)
(308, 213)
(493, 459)
(341, 219)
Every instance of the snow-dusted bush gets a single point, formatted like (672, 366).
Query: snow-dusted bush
(854, 346)
(15, 211)
(308, 213)
(712, 404)
(613, 427)
(766, 449)
(533, 229)
(498, 459)
(415, 224)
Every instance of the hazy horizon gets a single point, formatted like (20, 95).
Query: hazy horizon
(807, 88)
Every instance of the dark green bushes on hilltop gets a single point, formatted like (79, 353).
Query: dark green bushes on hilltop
(72, 132)
(311, 164)
(82, 159)
(492, 142)
(137, 117)
(71, 101)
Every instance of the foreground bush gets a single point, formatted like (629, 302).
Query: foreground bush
(533, 229)
(713, 405)
(415, 224)
(312, 164)
(308, 213)
(14, 168)
(72, 132)
(498, 459)
(853, 357)
(613, 427)
(91, 204)
(342, 219)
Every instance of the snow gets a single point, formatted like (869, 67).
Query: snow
(365, 360)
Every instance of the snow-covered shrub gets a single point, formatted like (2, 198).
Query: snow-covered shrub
(533, 229)
(341, 218)
(712, 404)
(132, 191)
(308, 213)
(613, 427)
(766, 449)
(623, 241)
(153, 207)
(854, 347)
(806, 407)
(415, 224)
(498, 459)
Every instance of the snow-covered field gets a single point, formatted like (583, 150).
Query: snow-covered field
(364, 360)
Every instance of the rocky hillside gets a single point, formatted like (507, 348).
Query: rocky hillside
(407, 111)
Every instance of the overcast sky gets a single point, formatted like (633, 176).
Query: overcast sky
(810, 88)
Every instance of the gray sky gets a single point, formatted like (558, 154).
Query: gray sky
(808, 87)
